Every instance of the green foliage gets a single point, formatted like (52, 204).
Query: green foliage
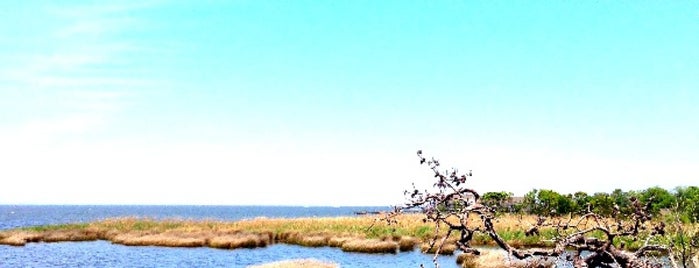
(602, 204)
(687, 199)
(658, 198)
(548, 203)
(565, 204)
(500, 201)
(580, 201)
(512, 235)
(683, 201)
(424, 231)
(623, 200)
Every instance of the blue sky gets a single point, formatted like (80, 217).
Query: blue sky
(326, 102)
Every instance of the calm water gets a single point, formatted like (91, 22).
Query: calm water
(105, 254)
(19, 216)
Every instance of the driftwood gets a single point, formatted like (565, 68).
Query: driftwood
(451, 205)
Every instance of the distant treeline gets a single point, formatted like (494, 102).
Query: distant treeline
(682, 202)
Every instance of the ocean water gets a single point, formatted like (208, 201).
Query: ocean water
(13, 216)
(105, 254)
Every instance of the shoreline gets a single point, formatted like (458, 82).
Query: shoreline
(350, 233)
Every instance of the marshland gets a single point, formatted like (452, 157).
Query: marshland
(351, 233)
(366, 234)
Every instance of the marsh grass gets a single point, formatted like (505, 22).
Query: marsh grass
(337, 241)
(409, 232)
(19, 238)
(239, 240)
(307, 240)
(44, 228)
(447, 249)
(407, 243)
(161, 239)
(370, 246)
(71, 235)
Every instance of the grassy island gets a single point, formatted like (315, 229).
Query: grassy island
(366, 234)
(352, 234)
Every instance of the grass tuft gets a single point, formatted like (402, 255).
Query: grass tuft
(337, 241)
(407, 243)
(240, 240)
(447, 249)
(370, 246)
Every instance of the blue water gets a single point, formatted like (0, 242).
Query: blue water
(105, 254)
(13, 216)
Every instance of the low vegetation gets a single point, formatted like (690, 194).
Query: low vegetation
(259, 232)
(409, 232)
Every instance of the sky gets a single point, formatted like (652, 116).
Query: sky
(326, 102)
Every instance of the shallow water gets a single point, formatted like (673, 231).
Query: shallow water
(105, 254)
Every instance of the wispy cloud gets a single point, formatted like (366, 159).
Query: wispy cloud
(80, 38)
(95, 27)
(102, 8)
(83, 69)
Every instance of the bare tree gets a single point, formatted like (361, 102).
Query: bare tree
(589, 238)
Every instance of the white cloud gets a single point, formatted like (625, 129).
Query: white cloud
(71, 61)
(96, 27)
(100, 9)
(66, 82)
(82, 47)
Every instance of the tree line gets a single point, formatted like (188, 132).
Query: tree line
(683, 201)
(594, 233)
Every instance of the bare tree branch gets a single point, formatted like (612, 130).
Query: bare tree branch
(450, 204)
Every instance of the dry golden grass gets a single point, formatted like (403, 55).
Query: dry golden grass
(239, 240)
(309, 263)
(407, 243)
(370, 246)
(16, 241)
(19, 238)
(314, 240)
(70, 235)
(465, 260)
(160, 239)
(313, 232)
(307, 240)
(337, 241)
(447, 249)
